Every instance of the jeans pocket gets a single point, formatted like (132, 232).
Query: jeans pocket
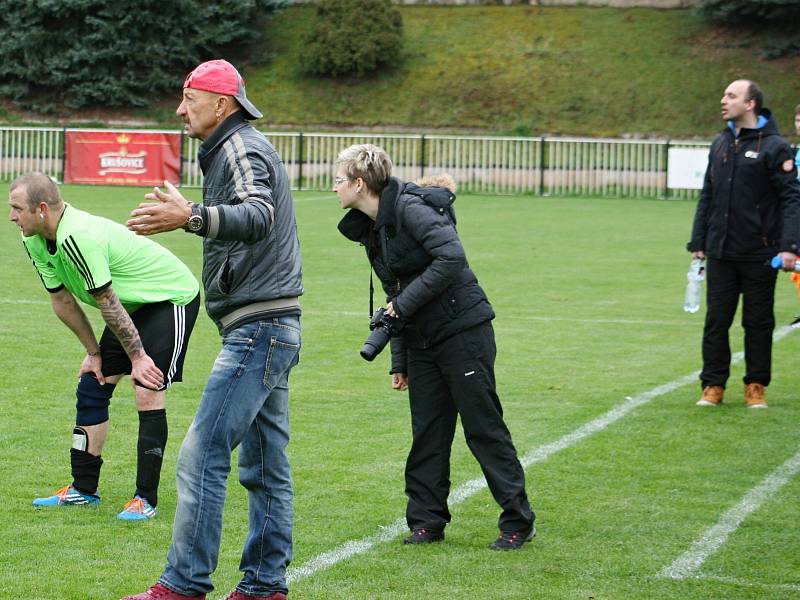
(237, 348)
(282, 355)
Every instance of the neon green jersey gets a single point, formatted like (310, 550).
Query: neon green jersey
(90, 253)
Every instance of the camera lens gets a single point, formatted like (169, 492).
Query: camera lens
(375, 343)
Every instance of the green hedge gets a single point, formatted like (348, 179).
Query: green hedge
(352, 38)
(781, 16)
(93, 52)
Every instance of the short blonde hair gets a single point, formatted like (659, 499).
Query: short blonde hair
(369, 162)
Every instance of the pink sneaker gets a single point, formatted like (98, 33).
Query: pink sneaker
(159, 592)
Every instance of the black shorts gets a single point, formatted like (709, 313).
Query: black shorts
(164, 329)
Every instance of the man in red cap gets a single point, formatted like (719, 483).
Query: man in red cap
(252, 280)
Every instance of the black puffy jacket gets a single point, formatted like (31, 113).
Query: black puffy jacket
(749, 208)
(416, 253)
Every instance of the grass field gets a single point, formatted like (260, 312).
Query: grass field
(595, 371)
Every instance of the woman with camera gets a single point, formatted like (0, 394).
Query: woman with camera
(442, 340)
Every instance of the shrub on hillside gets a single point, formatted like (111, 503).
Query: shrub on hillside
(93, 52)
(781, 16)
(352, 37)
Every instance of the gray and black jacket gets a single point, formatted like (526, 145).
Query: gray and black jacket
(749, 209)
(416, 253)
(251, 254)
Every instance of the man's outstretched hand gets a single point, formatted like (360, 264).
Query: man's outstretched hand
(166, 210)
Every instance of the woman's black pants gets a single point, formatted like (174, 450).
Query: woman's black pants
(456, 377)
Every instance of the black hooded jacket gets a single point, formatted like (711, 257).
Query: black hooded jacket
(416, 253)
(749, 209)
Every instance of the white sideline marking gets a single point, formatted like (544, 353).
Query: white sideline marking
(689, 563)
(676, 323)
(353, 547)
(328, 559)
(21, 301)
(47, 302)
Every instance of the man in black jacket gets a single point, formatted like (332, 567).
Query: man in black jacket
(445, 353)
(749, 211)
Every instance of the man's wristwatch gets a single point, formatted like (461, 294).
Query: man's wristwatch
(195, 221)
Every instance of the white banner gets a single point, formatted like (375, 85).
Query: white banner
(687, 168)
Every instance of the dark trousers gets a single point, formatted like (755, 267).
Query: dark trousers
(726, 280)
(456, 377)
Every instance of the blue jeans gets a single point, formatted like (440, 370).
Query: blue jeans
(246, 401)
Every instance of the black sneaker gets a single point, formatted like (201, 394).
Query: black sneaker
(513, 540)
(424, 536)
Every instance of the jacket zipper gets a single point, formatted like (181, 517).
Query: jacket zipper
(730, 192)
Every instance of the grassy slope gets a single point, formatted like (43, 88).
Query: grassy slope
(529, 70)
(518, 69)
(587, 293)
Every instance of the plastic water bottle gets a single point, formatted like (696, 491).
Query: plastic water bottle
(694, 289)
(777, 263)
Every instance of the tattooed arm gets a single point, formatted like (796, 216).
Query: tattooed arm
(143, 370)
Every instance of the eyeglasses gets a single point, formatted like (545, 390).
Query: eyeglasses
(339, 180)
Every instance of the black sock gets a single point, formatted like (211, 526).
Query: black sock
(85, 471)
(150, 454)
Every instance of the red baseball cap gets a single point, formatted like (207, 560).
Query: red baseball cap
(221, 77)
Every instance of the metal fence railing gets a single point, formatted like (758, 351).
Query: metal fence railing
(24, 149)
(498, 165)
(606, 167)
(484, 164)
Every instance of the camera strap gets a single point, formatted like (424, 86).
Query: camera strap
(371, 292)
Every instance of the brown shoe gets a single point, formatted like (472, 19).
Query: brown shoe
(712, 395)
(754, 395)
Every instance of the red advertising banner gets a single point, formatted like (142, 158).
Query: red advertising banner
(101, 156)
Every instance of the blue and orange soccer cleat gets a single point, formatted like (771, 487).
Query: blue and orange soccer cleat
(67, 496)
(137, 509)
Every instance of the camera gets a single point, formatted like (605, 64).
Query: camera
(383, 327)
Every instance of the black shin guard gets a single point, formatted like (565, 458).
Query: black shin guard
(85, 470)
(152, 441)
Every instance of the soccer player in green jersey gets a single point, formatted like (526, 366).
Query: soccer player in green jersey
(149, 300)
